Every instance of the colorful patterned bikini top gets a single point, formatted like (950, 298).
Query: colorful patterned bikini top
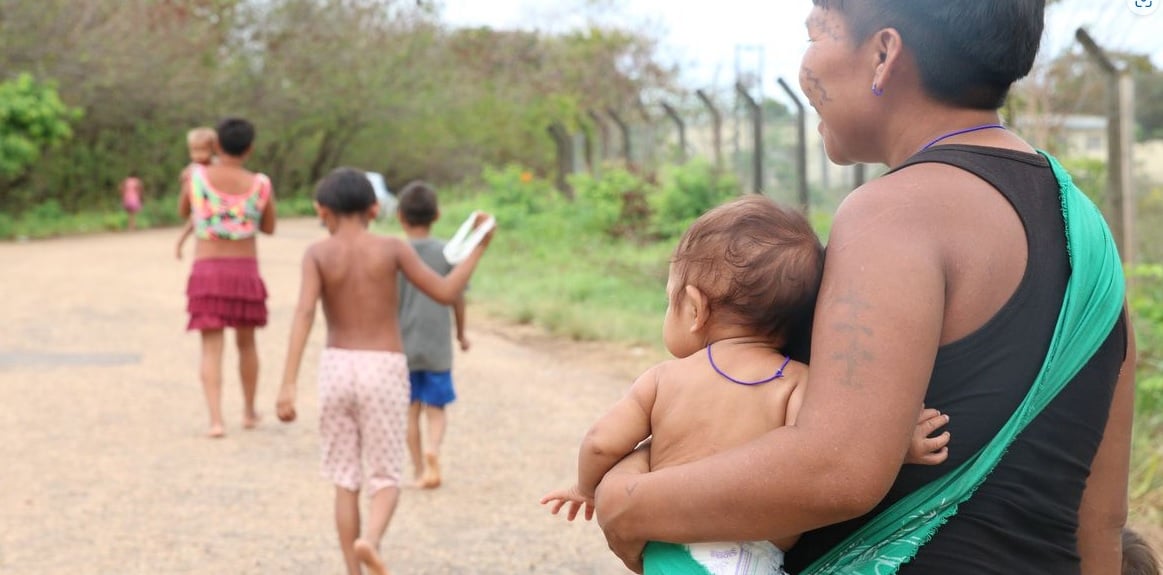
(219, 216)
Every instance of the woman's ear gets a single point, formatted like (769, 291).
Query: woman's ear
(888, 53)
(697, 308)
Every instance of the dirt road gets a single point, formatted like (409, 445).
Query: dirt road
(104, 469)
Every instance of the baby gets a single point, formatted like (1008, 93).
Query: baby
(742, 281)
(200, 144)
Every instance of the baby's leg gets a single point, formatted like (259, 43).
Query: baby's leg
(212, 378)
(347, 524)
(414, 440)
(248, 372)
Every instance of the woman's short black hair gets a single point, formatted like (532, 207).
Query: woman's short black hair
(345, 191)
(235, 136)
(969, 51)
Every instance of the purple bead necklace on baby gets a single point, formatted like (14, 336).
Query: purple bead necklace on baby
(778, 372)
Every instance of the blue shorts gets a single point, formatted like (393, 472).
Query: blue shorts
(432, 387)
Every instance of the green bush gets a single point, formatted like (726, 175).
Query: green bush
(514, 193)
(685, 193)
(32, 118)
(1146, 300)
(614, 203)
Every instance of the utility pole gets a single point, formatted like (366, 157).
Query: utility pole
(1120, 146)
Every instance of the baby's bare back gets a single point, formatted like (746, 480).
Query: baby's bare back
(698, 412)
(358, 276)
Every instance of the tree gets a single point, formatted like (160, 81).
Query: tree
(32, 118)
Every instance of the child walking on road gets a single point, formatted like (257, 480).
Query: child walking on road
(363, 374)
(742, 281)
(426, 328)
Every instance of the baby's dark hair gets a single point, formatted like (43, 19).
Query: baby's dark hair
(418, 206)
(345, 191)
(1138, 558)
(235, 136)
(758, 263)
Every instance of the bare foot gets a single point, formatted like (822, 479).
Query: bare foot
(417, 482)
(431, 478)
(369, 557)
(250, 421)
(216, 431)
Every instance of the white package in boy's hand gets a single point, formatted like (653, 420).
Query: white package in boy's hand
(467, 238)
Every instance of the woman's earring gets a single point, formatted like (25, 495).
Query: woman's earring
(876, 91)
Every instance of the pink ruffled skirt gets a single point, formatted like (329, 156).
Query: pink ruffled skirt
(226, 292)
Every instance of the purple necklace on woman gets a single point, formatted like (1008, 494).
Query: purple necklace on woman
(959, 132)
(778, 372)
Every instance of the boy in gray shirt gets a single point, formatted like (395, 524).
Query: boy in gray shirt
(425, 325)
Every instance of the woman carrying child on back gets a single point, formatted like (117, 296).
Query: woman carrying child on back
(228, 205)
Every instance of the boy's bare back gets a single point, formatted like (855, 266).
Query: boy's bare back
(357, 275)
(698, 412)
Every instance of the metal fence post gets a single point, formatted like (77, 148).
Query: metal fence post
(716, 127)
(757, 136)
(801, 147)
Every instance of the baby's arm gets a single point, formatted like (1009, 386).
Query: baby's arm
(444, 289)
(617, 433)
(923, 450)
(606, 443)
(309, 291)
(187, 230)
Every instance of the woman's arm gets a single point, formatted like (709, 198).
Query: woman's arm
(877, 329)
(1103, 512)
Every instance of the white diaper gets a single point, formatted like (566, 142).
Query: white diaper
(747, 558)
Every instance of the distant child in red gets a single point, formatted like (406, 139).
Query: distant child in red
(131, 198)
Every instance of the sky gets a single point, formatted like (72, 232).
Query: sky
(703, 36)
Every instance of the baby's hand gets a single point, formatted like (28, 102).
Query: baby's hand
(286, 405)
(925, 450)
(573, 498)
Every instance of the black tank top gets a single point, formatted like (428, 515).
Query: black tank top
(1024, 518)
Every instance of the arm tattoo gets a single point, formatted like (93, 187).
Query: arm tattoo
(855, 328)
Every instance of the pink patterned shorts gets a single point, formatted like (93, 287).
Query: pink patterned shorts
(363, 419)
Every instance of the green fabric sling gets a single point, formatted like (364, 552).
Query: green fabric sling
(660, 558)
(1094, 299)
